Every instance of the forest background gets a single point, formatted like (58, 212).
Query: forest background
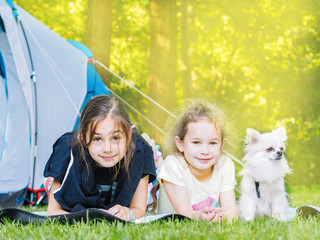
(258, 59)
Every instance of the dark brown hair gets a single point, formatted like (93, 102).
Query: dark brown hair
(94, 111)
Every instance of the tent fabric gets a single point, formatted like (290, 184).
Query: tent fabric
(81, 47)
(14, 10)
(15, 108)
(2, 67)
(96, 85)
(3, 98)
(50, 106)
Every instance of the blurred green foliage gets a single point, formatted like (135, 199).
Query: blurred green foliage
(259, 58)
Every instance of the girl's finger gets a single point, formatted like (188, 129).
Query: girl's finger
(114, 210)
(216, 216)
(123, 213)
(211, 216)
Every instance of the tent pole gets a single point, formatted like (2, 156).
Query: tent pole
(33, 79)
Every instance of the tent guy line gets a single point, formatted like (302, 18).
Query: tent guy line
(136, 111)
(130, 85)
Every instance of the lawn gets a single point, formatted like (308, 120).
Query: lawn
(298, 228)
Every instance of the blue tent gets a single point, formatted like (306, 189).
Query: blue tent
(44, 82)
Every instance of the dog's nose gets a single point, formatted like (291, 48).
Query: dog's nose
(279, 153)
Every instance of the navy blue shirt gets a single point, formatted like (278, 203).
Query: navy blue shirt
(98, 187)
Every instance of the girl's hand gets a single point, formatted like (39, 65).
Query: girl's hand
(120, 212)
(211, 214)
(137, 204)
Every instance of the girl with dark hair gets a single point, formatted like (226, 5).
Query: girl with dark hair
(104, 164)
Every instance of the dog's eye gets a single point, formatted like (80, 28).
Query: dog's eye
(281, 148)
(270, 149)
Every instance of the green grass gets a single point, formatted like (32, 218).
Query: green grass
(258, 229)
(302, 195)
(263, 228)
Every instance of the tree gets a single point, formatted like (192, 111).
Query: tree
(186, 8)
(98, 33)
(162, 59)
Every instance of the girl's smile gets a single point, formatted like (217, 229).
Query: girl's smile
(108, 157)
(204, 160)
(201, 148)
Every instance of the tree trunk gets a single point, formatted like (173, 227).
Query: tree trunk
(185, 58)
(98, 33)
(162, 71)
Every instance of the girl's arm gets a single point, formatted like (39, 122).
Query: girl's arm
(139, 200)
(54, 208)
(137, 204)
(178, 197)
(228, 204)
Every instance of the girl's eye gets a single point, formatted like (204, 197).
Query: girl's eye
(270, 149)
(116, 138)
(213, 143)
(96, 139)
(196, 142)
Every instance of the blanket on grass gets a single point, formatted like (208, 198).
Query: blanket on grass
(90, 214)
(94, 214)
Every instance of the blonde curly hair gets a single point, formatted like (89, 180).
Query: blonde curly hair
(194, 110)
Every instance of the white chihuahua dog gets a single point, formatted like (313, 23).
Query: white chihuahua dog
(262, 186)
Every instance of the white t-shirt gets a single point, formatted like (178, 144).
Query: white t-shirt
(201, 194)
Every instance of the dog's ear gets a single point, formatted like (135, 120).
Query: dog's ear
(281, 132)
(252, 136)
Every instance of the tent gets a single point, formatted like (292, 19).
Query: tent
(44, 82)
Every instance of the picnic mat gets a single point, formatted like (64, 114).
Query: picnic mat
(25, 217)
(94, 214)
